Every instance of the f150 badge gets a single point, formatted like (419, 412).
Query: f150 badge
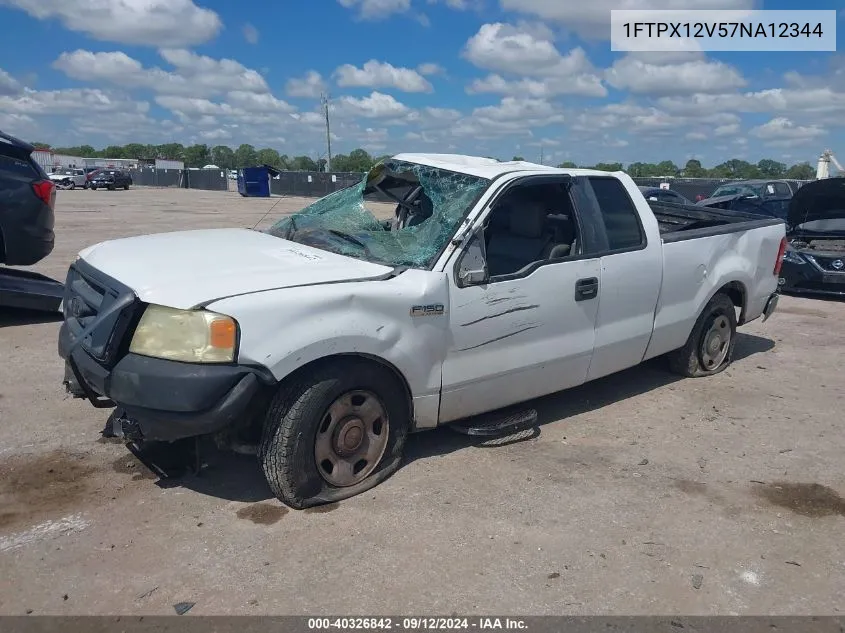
(435, 309)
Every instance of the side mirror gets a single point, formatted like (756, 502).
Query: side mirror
(472, 268)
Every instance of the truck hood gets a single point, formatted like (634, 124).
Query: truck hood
(819, 200)
(188, 268)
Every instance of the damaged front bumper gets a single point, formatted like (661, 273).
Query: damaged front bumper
(162, 400)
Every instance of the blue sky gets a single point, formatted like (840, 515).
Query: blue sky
(487, 77)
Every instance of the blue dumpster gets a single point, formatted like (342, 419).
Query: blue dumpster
(254, 182)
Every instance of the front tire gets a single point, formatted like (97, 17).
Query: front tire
(334, 433)
(710, 346)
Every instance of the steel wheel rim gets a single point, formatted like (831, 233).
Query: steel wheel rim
(716, 342)
(351, 439)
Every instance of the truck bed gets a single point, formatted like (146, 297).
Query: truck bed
(683, 222)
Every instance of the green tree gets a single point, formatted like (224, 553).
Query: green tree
(608, 166)
(135, 150)
(667, 168)
(303, 163)
(171, 151)
(38, 145)
(223, 156)
(270, 157)
(517, 158)
(245, 156)
(771, 168)
(567, 165)
(197, 155)
(114, 151)
(693, 169)
(801, 171)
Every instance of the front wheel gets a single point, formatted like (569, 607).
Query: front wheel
(709, 348)
(336, 432)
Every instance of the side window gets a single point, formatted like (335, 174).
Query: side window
(782, 189)
(528, 224)
(621, 221)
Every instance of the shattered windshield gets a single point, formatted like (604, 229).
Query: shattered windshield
(429, 205)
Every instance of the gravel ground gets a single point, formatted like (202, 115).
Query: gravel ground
(641, 494)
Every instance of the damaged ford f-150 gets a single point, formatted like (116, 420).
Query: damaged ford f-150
(329, 337)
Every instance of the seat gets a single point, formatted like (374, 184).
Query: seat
(525, 241)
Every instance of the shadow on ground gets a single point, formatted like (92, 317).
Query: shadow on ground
(234, 477)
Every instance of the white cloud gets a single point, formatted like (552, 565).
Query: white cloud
(513, 49)
(376, 9)
(696, 136)
(310, 86)
(194, 75)
(729, 129)
(781, 131)
(645, 120)
(430, 69)
(188, 107)
(8, 84)
(697, 76)
(258, 102)
(584, 84)
(821, 101)
(376, 74)
(140, 22)
(70, 101)
(250, 33)
(592, 19)
(376, 106)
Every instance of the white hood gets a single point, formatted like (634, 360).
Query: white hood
(187, 268)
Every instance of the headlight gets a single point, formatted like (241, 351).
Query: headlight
(792, 257)
(192, 336)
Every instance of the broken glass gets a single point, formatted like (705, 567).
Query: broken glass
(430, 205)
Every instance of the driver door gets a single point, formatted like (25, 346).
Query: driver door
(517, 336)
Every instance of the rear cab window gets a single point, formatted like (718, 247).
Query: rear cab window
(621, 219)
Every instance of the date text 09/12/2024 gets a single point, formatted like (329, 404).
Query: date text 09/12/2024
(416, 623)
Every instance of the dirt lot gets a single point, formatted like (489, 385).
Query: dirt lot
(642, 493)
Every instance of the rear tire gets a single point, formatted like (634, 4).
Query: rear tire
(710, 346)
(333, 433)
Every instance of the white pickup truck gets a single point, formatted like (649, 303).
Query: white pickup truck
(329, 337)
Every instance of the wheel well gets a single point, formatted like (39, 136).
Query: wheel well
(737, 294)
(355, 356)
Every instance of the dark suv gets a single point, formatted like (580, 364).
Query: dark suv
(111, 179)
(27, 201)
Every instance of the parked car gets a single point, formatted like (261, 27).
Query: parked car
(27, 201)
(69, 178)
(110, 179)
(330, 336)
(656, 194)
(815, 258)
(762, 189)
(90, 174)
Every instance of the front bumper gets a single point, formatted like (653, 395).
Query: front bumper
(163, 400)
(809, 279)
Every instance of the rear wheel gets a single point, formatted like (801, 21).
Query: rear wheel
(336, 432)
(709, 348)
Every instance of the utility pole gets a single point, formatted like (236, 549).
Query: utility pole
(541, 154)
(325, 100)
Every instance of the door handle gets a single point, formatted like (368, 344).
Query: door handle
(587, 288)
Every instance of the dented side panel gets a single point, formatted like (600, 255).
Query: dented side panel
(403, 321)
(518, 339)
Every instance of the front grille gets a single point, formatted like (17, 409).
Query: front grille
(830, 264)
(89, 293)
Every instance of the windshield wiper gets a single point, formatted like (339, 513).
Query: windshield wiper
(353, 240)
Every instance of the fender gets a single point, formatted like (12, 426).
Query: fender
(403, 321)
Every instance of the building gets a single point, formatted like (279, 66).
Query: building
(51, 161)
